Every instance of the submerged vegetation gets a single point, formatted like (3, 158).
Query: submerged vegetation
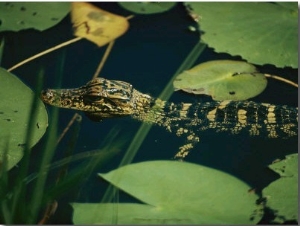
(49, 166)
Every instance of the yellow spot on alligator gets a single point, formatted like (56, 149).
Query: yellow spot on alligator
(184, 151)
(179, 132)
(223, 104)
(271, 117)
(184, 110)
(211, 115)
(182, 114)
(242, 118)
(271, 108)
(185, 107)
(160, 103)
(266, 105)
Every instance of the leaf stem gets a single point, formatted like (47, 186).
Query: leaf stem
(44, 52)
(282, 79)
(106, 54)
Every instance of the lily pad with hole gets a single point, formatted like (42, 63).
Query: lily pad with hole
(173, 192)
(95, 24)
(16, 16)
(282, 194)
(222, 80)
(15, 112)
(259, 32)
(147, 7)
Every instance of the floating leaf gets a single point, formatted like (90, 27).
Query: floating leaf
(262, 33)
(15, 16)
(286, 167)
(288, 5)
(147, 7)
(15, 108)
(130, 214)
(173, 192)
(282, 194)
(223, 80)
(95, 24)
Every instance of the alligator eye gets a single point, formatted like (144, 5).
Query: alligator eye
(92, 98)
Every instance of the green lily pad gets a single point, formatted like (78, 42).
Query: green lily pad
(282, 194)
(130, 214)
(287, 167)
(173, 192)
(147, 7)
(16, 16)
(262, 33)
(288, 5)
(15, 108)
(223, 80)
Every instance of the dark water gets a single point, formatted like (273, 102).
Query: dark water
(147, 56)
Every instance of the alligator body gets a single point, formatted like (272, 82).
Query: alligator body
(101, 98)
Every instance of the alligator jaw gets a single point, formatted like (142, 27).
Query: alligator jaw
(65, 98)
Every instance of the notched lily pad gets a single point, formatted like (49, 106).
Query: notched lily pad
(174, 192)
(16, 16)
(95, 24)
(223, 80)
(15, 108)
(260, 32)
(282, 194)
(287, 167)
(147, 7)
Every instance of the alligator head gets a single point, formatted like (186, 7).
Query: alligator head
(99, 98)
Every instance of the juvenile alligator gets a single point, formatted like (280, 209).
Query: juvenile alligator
(101, 98)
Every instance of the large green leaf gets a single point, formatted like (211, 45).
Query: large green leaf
(174, 192)
(282, 194)
(262, 33)
(15, 108)
(15, 16)
(223, 80)
(130, 213)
